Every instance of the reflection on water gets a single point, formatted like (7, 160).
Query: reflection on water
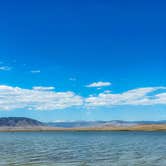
(83, 149)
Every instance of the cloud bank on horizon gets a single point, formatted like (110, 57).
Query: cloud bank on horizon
(46, 98)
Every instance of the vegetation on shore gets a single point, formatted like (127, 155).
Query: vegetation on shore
(155, 127)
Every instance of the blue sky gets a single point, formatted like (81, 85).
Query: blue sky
(52, 50)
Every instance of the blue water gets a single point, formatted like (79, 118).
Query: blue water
(83, 149)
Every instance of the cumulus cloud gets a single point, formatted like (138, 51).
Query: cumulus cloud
(98, 84)
(140, 96)
(46, 98)
(12, 98)
(5, 68)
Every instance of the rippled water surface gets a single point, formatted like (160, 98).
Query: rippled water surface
(83, 149)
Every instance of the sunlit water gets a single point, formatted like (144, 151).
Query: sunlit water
(83, 149)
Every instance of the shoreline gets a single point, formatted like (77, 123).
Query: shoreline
(156, 127)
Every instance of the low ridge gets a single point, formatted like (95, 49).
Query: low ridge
(19, 122)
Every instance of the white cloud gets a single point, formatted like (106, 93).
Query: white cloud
(140, 96)
(12, 98)
(46, 98)
(35, 71)
(72, 79)
(5, 68)
(98, 84)
(43, 88)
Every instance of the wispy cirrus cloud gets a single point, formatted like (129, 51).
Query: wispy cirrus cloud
(72, 79)
(5, 68)
(98, 84)
(42, 88)
(35, 71)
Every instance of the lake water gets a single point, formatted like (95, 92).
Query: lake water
(83, 149)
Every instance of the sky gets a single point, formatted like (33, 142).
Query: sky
(74, 60)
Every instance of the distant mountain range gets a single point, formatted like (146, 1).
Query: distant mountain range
(76, 124)
(27, 124)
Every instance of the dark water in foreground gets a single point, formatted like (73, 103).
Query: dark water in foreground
(83, 149)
